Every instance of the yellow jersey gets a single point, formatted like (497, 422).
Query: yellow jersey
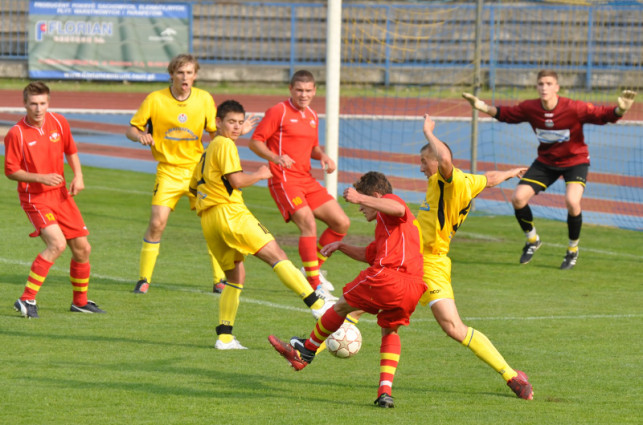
(209, 183)
(445, 208)
(177, 127)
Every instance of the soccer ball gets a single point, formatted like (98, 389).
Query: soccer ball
(345, 342)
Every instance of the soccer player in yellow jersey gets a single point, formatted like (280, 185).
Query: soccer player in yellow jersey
(447, 204)
(171, 121)
(231, 230)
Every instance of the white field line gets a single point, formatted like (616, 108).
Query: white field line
(264, 303)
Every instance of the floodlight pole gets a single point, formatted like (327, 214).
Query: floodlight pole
(333, 67)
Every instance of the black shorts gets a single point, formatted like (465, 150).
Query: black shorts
(540, 176)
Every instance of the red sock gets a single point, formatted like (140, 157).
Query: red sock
(389, 357)
(308, 254)
(328, 236)
(79, 277)
(37, 275)
(326, 325)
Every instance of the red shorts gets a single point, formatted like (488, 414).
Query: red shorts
(293, 195)
(54, 207)
(389, 294)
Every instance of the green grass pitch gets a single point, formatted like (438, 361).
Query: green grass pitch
(150, 359)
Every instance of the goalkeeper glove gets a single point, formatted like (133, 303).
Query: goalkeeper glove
(476, 103)
(625, 102)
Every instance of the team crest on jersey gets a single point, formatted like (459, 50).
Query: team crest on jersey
(54, 137)
(183, 118)
(549, 123)
(313, 124)
(425, 206)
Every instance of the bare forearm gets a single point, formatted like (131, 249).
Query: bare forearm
(260, 149)
(357, 253)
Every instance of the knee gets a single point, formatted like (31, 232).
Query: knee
(342, 224)
(518, 202)
(56, 248)
(81, 253)
(573, 206)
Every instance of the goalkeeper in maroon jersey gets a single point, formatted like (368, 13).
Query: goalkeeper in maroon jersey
(558, 124)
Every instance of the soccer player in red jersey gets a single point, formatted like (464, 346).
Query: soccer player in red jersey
(558, 124)
(34, 150)
(390, 287)
(288, 138)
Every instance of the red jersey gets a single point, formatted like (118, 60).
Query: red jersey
(38, 150)
(287, 130)
(397, 243)
(559, 131)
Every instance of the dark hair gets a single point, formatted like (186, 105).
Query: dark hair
(229, 106)
(33, 89)
(426, 147)
(181, 60)
(303, 76)
(372, 182)
(547, 73)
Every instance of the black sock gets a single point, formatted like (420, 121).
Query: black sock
(525, 218)
(573, 226)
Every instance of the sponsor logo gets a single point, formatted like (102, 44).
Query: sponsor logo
(73, 30)
(549, 115)
(32, 143)
(166, 35)
(294, 120)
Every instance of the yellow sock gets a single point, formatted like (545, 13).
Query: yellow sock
(217, 272)
(228, 306)
(483, 348)
(149, 253)
(295, 281)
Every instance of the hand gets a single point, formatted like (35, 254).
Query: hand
(52, 179)
(429, 124)
(249, 123)
(519, 172)
(146, 139)
(77, 184)
(263, 172)
(625, 102)
(285, 161)
(327, 250)
(351, 195)
(476, 103)
(327, 164)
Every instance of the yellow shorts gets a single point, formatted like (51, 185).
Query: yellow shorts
(172, 183)
(232, 232)
(437, 276)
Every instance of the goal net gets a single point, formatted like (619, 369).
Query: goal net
(425, 55)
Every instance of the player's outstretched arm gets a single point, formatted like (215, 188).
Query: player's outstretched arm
(625, 101)
(495, 177)
(384, 205)
(438, 149)
(480, 105)
(357, 253)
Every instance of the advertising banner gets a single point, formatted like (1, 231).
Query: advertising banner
(106, 40)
